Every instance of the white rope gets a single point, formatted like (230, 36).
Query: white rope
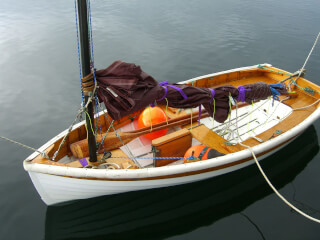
(275, 190)
(315, 43)
(302, 108)
(109, 165)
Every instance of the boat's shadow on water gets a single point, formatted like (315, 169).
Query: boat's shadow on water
(165, 212)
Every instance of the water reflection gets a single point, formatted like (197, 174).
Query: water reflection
(161, 213)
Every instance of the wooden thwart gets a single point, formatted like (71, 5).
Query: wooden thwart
(171, 145)
(213, 140)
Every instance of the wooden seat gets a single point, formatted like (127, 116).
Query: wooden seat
(213, 140)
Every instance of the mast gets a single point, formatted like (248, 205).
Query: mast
(85, 66)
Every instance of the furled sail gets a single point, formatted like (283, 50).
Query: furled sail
(125, 88)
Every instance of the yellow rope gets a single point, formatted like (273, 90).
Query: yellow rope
(150, 119)
(191, 113)
(191, 120)
(214, 112)
(87, 114)
(167, 111)
(248, 125)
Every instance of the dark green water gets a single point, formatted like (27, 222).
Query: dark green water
(171, 40)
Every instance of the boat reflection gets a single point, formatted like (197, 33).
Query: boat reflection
(165, 212)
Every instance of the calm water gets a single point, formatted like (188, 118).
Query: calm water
(171, 40)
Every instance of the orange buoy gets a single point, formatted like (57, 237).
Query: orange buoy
(152, 115)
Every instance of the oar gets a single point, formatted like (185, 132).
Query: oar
(172, 120)
(186, 116)
(80, 149)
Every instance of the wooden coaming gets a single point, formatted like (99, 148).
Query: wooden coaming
(186, 173)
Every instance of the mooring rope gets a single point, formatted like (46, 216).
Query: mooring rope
(274, 189)
(302, 69)
(43, 154)
(307, 59)
(305, 107)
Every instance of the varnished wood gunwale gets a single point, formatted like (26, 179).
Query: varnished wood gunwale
(186, 174)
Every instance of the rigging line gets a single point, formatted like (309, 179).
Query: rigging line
(102, 141)
(43, 154)
(124, 145)
(93, 69)
(243, 117)
(228, 124)
(274, 189)
(239, 136)
(67, 134)
(78, 44)
(315, 43)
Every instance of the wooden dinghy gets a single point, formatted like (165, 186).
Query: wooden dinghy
(265, 126)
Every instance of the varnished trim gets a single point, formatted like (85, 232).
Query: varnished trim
(223, 166)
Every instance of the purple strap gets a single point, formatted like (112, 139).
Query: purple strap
(164, 95)
(166, 84)
(83, 162)
(242, 93)
(212, 93)
(165, 91)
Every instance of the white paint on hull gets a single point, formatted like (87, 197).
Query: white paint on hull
(56, 189)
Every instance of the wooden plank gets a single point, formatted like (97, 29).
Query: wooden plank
(213, 140)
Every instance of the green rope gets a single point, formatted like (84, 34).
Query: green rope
(191, 121)
(271, 70)
(98, 143)
(306, 89)
(167, 111)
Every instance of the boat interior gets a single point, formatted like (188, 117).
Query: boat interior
(249, 124)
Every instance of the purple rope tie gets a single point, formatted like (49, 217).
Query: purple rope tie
(212, 93)
(242, 93)
(166, 84)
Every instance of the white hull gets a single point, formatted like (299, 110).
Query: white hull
(55, 189)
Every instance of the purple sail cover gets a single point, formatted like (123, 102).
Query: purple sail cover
(125, 88)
